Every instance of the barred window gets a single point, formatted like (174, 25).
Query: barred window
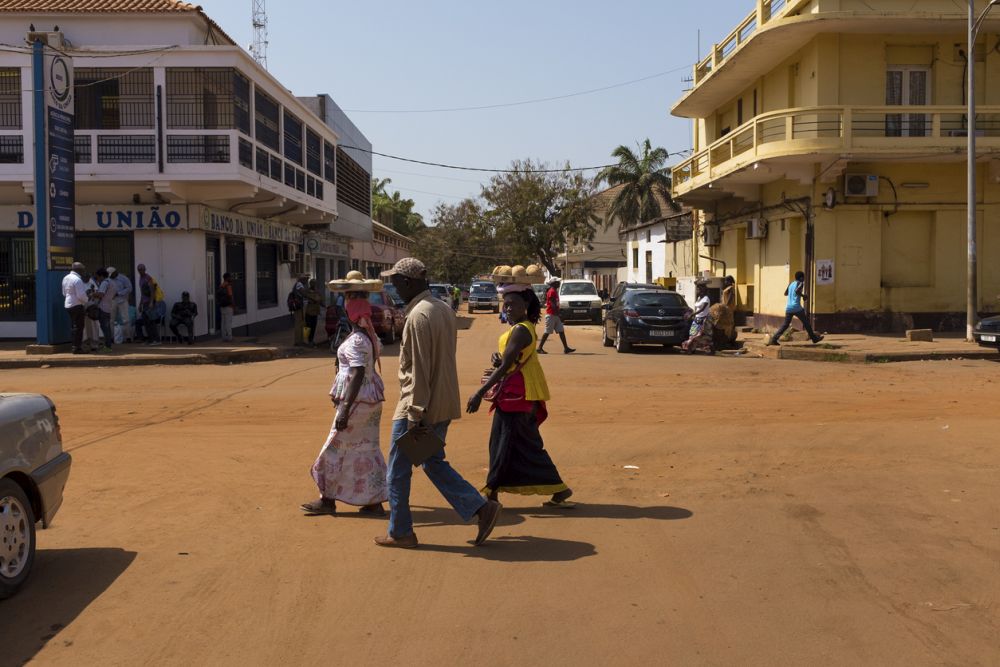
(11, 150)
(266, 117)
(197, 148)
(10, 99)
(329, 162)
(314, 145)
(293, 138)
(263, 162)
(353, 184)
(208, 98)
(246, 153)
(113, 99)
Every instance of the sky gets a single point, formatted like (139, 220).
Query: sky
(401, 55)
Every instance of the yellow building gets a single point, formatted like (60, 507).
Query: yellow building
(830, 137)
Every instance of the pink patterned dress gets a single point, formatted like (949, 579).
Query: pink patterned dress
(350, 467)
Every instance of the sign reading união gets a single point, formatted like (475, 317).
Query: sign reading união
(104, 218)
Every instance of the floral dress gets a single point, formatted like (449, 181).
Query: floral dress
(350, 467)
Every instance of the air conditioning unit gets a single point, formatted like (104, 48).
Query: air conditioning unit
(861, 185)
(711, 235)
(757, 228)
(289, 253)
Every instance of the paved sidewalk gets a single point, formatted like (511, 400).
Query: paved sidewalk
(874, 348)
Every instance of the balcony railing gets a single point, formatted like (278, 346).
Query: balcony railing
(765, 12)
(812, 130)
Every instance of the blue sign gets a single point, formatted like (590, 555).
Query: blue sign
(61, 197)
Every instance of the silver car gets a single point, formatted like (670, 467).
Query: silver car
(33, 472)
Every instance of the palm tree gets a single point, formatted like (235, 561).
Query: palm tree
(643, 178)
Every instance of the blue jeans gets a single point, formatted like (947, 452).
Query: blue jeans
(462, 495)
(789, 314)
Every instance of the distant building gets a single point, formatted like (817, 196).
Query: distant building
(830, 137)
(190, 158)
(600, 259)
(385, 248)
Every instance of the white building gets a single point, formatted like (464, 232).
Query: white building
(190, 158)
(660, 248)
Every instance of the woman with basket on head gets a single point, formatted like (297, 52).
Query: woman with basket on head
(350, 467)
(516, 386)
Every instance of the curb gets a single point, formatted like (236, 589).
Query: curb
(91, 361)
(797, 353)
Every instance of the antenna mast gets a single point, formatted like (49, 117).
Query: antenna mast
(259, 47)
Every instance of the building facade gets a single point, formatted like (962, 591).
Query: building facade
(190, 158)
(600, 259)
(658, 249)
(830, 137)
(385, 248)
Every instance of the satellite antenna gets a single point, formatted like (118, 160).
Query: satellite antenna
(259, 47)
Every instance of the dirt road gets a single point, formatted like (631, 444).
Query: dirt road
(780, 513)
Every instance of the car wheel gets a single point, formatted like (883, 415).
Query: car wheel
(621, 344)
(17, 537)
(604, 339)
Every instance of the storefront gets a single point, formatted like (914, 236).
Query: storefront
(327, 258)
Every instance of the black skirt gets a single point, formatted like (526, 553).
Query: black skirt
(518, 460)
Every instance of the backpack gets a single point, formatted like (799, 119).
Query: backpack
(294, 301)
(222, 299)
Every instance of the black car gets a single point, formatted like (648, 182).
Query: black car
(646, 317)
(987, 333)
(622, 286)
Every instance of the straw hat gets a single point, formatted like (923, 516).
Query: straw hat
(517, 274)
(355, 282)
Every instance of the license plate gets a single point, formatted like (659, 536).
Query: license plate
(580, 311)
(661, 332)
(988, 339)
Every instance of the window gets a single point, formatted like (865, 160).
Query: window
(739, 111)
(113, 99)
(293, 138)
(329, 162)
(10, 99)
(236, 267)
(354, 185)
(649, 266)
(11, 150)
(198, 148)
(907, 86)
(267, 275)
(266, 120)
(314, 149)
(208, 98)
(635, 258)
(17, 277)
(649, 236)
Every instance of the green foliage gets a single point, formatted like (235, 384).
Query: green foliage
(458, 246)
(393, 211)
(642, 177)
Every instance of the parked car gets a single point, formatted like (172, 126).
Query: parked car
(387, 319)
(578, 300)
(397, 300)
(443, 292)
(540, 290)
(33, 473)
(483, 296)
(648, 317)
(987, 333)
(620, 288)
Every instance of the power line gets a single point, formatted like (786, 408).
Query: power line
(523, 102)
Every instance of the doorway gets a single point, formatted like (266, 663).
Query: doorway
(907, 85)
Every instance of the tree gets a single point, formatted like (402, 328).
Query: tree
(394, 211)
(643, 178)
(458, 245)
(535, 214)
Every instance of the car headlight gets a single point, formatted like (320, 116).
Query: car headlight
(596, 303)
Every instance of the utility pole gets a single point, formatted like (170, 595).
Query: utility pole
(259, 47)
(971, 291)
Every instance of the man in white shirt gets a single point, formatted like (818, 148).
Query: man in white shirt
(123, 287)
(75, 300)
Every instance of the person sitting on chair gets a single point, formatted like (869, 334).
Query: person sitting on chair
(183, 313)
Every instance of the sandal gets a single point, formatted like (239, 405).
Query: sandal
(323, 506)
(560, 499)
(374, 509)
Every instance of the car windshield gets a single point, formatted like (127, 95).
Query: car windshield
(438, 290)
(376, 298)
(578, 289)
(485, 288)
(654, 300)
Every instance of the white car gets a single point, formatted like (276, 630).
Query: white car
(578, 300)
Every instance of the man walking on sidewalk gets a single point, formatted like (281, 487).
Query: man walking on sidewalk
(75, 300)
(428, 398)
(553, 323)
(794, 308)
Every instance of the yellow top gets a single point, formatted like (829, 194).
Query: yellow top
(535, 387)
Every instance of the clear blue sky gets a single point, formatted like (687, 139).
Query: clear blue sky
(400, 54)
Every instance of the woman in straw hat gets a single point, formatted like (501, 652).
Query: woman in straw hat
(518, 460)
(350, 467)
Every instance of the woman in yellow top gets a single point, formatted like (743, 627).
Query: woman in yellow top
(518, 460)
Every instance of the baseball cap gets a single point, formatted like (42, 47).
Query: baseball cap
(111, 270)
(411, 267)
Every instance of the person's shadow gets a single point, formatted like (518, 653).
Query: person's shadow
(62, 583)
(519, 549)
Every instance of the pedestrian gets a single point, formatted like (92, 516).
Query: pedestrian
(313, 300)
(553, 323)
(91, 326)
(119, 307)
(151, 307)
(296, 305)
(75, 299)
(106, 293)
(224, 299)
(794, 308)
(183, 314)
(518, 460)
(700, 333)
(350, 467)
(456, 297)
(723, 316)
(428, 398)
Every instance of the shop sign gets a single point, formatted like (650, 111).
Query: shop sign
(234, 224)
(824, 271)
(103, 218)
(318, 245)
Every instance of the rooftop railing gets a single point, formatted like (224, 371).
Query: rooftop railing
(812, 130)
(765, 12)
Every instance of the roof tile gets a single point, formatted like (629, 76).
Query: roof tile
(97, 6)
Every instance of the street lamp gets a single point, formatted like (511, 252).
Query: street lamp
(972, 301)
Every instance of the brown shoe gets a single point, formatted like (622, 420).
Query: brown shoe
(488, 515)
(407, 542)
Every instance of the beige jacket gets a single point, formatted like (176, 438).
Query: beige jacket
(428, 375)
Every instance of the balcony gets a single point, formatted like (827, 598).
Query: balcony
(805, 135)
(766, 12)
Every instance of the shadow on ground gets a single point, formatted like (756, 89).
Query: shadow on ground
(519, 549)
(64, 582)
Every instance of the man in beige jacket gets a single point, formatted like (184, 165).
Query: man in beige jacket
(428, 398)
